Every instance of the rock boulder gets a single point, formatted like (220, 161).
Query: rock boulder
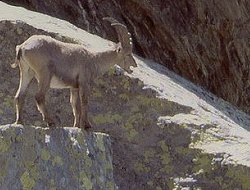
(61, 158)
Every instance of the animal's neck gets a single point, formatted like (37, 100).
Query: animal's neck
(106, 60)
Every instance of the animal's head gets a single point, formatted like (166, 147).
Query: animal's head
(124, 47)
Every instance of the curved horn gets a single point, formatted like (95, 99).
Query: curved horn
(110, 19)
(123, 35)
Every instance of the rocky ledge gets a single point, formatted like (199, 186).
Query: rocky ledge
(61, 158)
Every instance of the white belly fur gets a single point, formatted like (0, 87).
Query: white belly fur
(57, 83)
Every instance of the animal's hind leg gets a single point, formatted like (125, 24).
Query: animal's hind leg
(43, 87)
(83, 94)
(75, 103)
(26, 76)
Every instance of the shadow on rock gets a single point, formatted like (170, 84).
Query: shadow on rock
(149, 155)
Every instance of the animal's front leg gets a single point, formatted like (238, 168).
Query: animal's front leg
(84, 122)
(75, 103)
(43, 87)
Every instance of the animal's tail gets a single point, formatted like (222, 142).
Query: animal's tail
(18, 56)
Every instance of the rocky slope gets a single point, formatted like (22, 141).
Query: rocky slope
(63, 158)
(203, 41)
(166, 132)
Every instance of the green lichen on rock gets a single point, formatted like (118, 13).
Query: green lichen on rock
(87, 161)
(3, 170)
(8, 101)
(108, 118)
(86, 182)
(130, 131)
(149, 154)
(69, 159)
(241, 174)
(125, 83)
(165, 157)
(131, 134)
(52, 184)
(108, 167)
(96, 93)
(203, 162)
(33, 170)
(57, 161)
(157, 104)
(19, 30)
(110, 185)
(4, 145)
(124, 97)
(45, 155)
(141, 167)
(1, 111)
(100, 143)
(28, 183)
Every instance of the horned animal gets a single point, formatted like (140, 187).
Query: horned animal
(55, 64)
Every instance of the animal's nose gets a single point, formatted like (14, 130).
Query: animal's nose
(129, 71)
(134, 63)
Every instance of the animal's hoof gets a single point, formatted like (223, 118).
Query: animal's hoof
(18, 123)
(51, 124)
(87, 126)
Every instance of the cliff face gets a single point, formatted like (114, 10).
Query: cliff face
(165, 132)
(203, 41)
(63, 158)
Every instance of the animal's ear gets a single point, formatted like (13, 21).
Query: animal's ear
(118, 48)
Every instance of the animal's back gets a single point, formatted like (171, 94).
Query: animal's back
(64, 61)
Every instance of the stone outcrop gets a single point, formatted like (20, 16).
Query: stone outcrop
(165, 132)
(61, 158)
(204, 41)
